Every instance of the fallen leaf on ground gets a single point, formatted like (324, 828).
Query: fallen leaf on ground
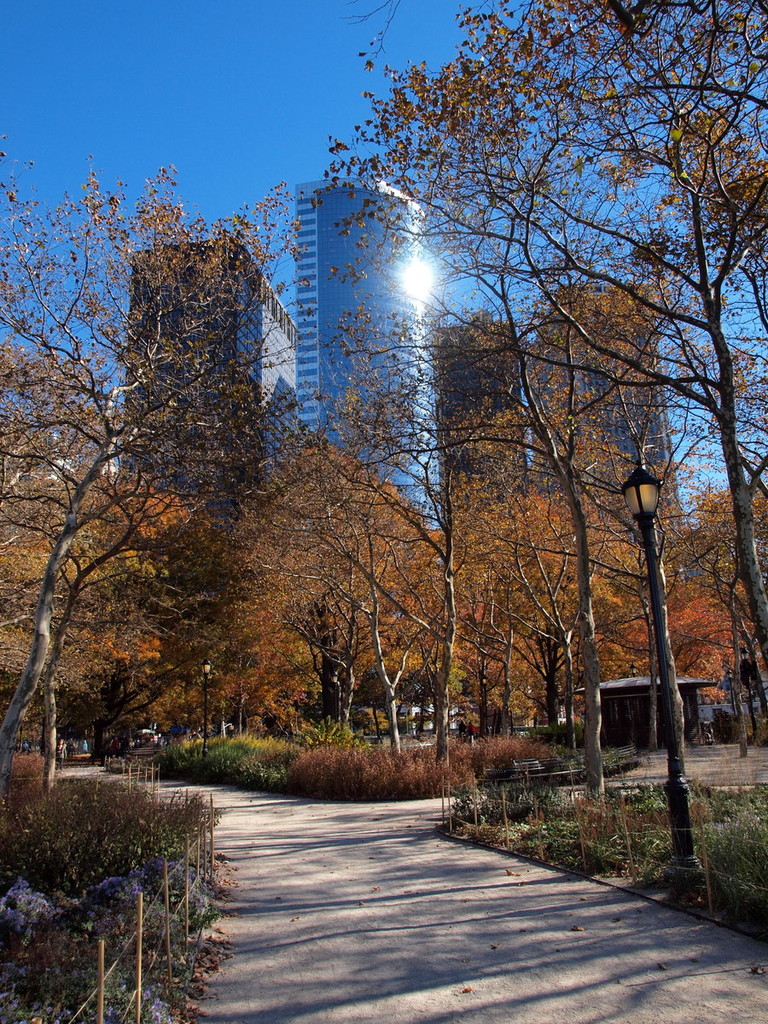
(662, 967)
(468, 989)
(576, 928)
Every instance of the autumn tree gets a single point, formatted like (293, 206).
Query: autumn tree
(624, 155)
(103, 399)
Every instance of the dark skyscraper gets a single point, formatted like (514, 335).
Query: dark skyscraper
(214, 338)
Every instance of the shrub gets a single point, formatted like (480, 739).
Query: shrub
(240, 761)
(557, 734)
(500, 752)
(36, 933)
(618, 835)
(26, 777)
(71, 838)
(737, 850)
(331, 773)
(331, 734)
(521, 798)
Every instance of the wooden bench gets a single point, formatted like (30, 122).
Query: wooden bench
(561, 771)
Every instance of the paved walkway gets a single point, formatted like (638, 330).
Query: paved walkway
(363, 913)
(718, 765)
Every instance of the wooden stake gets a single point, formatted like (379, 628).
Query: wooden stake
(139, 951)
(186, 891)
(100, 990)
(538, 829)
(623, 816)
(705, 866)
(504, 815)
(197, 863)
(167, 894)
(212, 827)
(581, 840)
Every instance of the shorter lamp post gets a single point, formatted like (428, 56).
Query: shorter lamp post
(206, 667)
(641, 493)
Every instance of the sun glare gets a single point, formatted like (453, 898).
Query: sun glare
(418, 280)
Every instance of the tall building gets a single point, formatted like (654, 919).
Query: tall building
(351, 299)
(214, 338)
(476, 382)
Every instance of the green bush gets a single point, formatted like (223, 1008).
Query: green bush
(622, 834)
(332, 734)
(737, 852)
(244, 761)
(82, 832)
(557, 734)
(518, 799)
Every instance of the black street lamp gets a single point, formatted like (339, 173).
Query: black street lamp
(641, 493)
(206, 667)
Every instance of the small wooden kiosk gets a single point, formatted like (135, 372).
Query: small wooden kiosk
(626, 709)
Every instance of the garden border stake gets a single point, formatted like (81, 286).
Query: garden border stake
(577, 807)
(627, 840)
(100, 993)
(139, 952)
(186, 891)
(474, 804)
(167, 895)
(538, 829)
(504, 817)
(705, 866)
(197, 850)
(212, 827)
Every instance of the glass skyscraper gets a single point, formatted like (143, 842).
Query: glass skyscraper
(350, 301)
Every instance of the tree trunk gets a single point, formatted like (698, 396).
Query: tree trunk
(346, 692)
(677, 700)
(570, 722)
(329, 686)
(49, 764)
(588, 645)
(30, 677)
(741, 725)
(653, 671)
(442, 699)
(743, 516)
(506, 717)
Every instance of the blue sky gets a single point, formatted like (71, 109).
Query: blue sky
(238, 95)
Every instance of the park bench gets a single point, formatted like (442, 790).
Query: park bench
(560, 771)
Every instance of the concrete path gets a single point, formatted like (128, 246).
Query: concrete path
(718, 765)
(362, 913)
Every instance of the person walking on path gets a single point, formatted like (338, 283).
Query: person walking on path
(363, 913)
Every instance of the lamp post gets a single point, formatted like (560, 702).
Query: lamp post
(641, 493)
(206, 667)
